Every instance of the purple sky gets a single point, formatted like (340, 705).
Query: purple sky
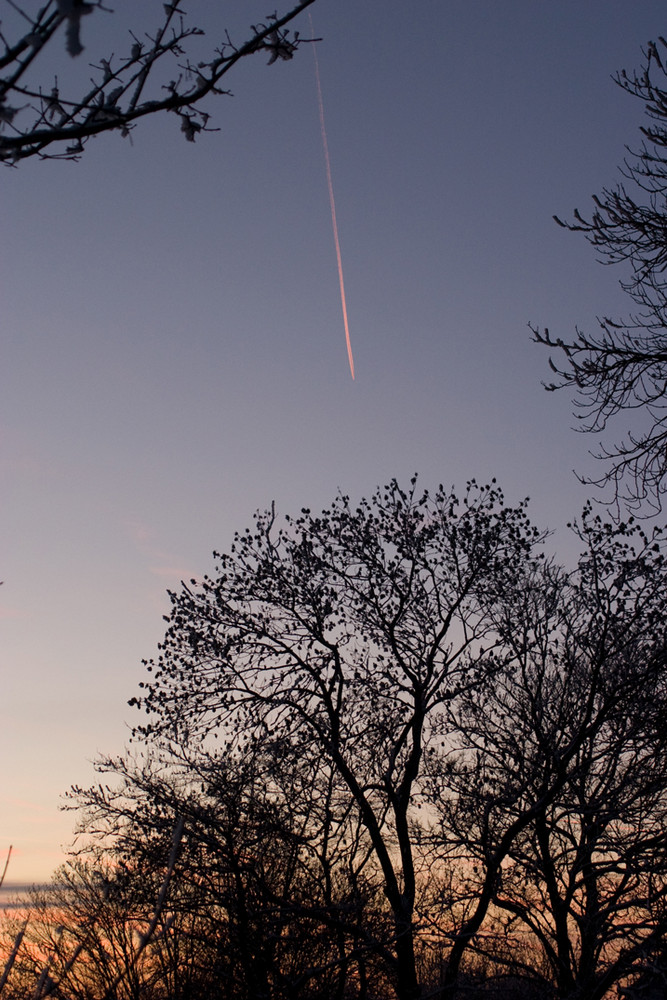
(173, 353)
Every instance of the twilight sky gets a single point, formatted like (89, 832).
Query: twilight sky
(173, 354)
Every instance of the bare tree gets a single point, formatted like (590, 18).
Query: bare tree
(37, 119)
(87, 933)
(344, 636)
(412, 757)
(623, 367)
(556, 808)
(272, 896)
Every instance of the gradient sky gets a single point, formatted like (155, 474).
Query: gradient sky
(173, 354)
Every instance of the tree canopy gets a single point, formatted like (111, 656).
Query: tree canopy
(403, 733)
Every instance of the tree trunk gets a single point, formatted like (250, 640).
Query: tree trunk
(407, 984)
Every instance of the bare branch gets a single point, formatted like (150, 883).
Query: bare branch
(624, 367)
(59, 125)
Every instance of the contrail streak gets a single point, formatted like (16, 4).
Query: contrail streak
(332, 203)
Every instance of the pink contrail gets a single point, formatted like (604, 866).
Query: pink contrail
(332, 204)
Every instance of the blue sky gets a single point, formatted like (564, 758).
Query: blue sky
(173, 353)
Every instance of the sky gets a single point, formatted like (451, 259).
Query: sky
(171, 337)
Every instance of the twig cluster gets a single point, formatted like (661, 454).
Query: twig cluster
(623, 368)
(38, 120)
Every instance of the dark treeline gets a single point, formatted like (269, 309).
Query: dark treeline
(407, 756)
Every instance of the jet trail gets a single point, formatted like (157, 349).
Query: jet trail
(332, 203)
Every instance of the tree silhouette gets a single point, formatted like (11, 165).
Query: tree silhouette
(488, 723)
(269, 899)
(37, 119)
(622, 369)
(410, 757)
(337, 642)
(558, 800)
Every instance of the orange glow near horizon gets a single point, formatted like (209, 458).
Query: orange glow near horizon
(332, 204)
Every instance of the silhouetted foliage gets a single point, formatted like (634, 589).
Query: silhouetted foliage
(337, 642)
(38, 119)
(623, 368)
(411, 758)
(88, 933)
(474, 711)
(274, 894)
(557, 806)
